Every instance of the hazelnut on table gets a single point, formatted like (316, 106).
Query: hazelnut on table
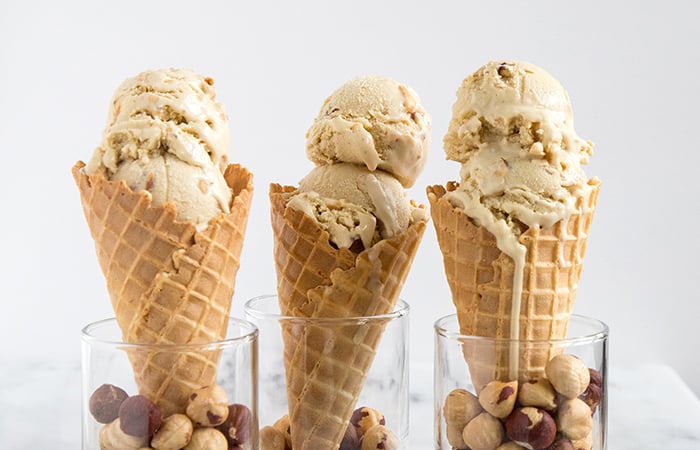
(351, 440)
(208, 406)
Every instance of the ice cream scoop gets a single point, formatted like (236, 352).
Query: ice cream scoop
(373, 121)
(166, 134)
(512, 130)
(351, 201)
(516, 102)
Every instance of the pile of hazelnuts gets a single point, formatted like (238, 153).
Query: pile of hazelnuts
(366, 431)
(554, 412)
(136, 423)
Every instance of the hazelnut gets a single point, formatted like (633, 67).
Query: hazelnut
(538, 393)
(583, 444)
(460, 407)
(113, 438)
(104, 403)
(237, 426)
(379, 437)
(207, 439)
(591, 396)
(173, 434)
(284, 426)
(561, 444)
(208, 406)
(351, 441)
(484, 432)
(365, 418)
(574, 419)
(498, 398)
(596, 377)
(568, 374)
(139, 416)
(510, 445)
(531, 427)
(272, 439)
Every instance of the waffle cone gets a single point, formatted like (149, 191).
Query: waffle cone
(480, 277)
(168, 282)
(327, 362)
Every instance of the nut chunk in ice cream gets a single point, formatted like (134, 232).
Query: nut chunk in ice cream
(166, 134)
(372, 121)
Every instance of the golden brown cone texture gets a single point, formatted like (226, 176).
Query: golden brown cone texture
(326, 365)
(480, 277)
(168, 283)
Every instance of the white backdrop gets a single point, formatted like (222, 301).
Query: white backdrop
(631, 70)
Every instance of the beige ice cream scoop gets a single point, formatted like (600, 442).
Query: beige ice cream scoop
(372, 121)
(167, 134)
(514, 101)
(350, 201)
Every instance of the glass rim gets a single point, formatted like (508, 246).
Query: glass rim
(401, 309)
(601, 330)
(249, 334)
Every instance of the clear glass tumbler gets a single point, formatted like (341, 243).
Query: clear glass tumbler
(561, 401)
(372, 356)
(169, 396)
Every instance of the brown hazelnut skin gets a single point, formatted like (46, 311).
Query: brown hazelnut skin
(498, 398)
(574, 419)
(364, 418)
(568, 374)
(104, 403)
(272, 439)
(561, 444)
(207, 439)
(379, 437)
(531, 427)
(139, 416)
(351, 441)
(460, 407)
(174, 433)
(236, 428)
(208, 406)
(592, 396)
(596, 377)
(484, 432)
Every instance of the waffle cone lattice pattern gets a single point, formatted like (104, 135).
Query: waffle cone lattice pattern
(480, 277)
(327, 360)
(168, 283)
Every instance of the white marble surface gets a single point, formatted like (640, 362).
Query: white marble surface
(650, 408)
